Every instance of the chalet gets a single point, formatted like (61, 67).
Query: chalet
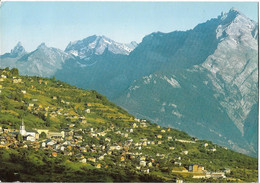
(143, 163)
(227, 170)
(115, 147)
(101, 134)
(122, 158)
(177, 163)
(169, 138)
(79, 156)
(159, 136)
(70, 125)
(101, 158)
(66, 143)
(83, 149)
(143, 125)
(213, 149)
(107, 139)
(216, 175)
(43, 144)
(185, 152)
(143, 139)
(6, 130)
(136, 119)
(150, 164)
(142, 158)
(25, 146)
(84, 121)
(77, 136)
(135, 125)
(57, 146)
(130, 140)
(145, 171)
(92, 159)
(49, 142)
(83, 160)
(62, 148)
(17, 81)
(30, 104)
(54, 154)
(68, 153)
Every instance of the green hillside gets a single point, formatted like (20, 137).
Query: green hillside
(87, 138)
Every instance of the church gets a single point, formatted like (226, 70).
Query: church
(31, 136)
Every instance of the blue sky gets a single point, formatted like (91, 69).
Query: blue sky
(58, 23)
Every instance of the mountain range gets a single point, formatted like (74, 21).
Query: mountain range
(203, 81)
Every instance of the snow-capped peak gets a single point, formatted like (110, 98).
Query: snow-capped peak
(96, 45)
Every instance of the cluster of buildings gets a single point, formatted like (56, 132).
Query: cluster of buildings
(71, 143)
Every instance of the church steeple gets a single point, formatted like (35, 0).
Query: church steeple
(22, 129)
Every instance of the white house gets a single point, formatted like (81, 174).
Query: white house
(142, 163)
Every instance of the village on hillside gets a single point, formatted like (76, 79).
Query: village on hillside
(69, 142)
(132, 144)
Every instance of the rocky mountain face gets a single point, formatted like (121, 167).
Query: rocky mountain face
(44, 61)
(203, 81)
(9, 59)
(209, 95)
